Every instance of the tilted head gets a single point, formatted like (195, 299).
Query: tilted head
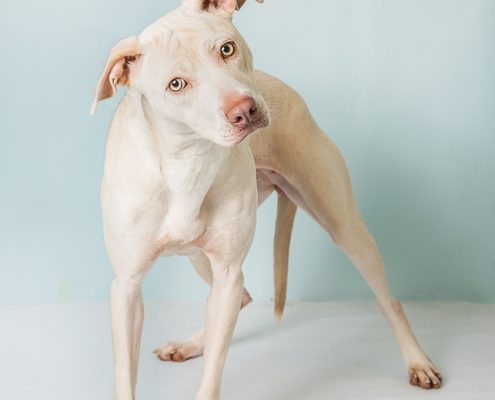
(195, 71)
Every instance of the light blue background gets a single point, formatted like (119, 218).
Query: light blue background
(405, 88)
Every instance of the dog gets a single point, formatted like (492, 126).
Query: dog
(199, 140)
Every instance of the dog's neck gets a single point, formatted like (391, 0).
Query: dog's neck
(189, 166)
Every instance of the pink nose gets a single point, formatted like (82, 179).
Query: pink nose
(243, 114)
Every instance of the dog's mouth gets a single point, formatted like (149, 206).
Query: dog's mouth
(241, 133)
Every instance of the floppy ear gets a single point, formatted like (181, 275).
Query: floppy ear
(121, 62)
(227, 5)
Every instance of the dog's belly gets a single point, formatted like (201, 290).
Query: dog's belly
(269, 180)
(265, 186)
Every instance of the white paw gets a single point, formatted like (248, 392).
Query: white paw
(425, 376)
(179, 351)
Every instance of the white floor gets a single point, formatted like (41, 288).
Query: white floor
(319, 352)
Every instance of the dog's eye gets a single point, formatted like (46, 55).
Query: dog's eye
(228, 50)
(177, 84)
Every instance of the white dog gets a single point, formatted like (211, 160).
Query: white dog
(180, 178)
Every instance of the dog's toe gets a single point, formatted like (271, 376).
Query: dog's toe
(425, 376)
(178, 351)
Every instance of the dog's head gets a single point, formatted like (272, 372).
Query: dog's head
(195, 71)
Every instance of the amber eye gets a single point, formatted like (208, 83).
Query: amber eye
(177, 84)
(228, 50)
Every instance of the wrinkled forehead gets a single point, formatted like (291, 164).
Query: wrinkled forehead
(187, 34)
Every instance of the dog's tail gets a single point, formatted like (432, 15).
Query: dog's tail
(286, 212)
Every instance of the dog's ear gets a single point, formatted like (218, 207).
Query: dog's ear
(228, 6)
(122, 62)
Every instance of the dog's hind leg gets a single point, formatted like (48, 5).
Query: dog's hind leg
(322, 187)
(354, 238)
(194, 346)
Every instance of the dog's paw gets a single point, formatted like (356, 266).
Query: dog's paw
(179, 351)
(425, 376)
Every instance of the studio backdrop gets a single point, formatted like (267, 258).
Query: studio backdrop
(406, 89)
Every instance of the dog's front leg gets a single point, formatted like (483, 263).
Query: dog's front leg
(224, 304)
(130, 264)
(127, 322)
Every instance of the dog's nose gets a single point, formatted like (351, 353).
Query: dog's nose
(243, 114)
